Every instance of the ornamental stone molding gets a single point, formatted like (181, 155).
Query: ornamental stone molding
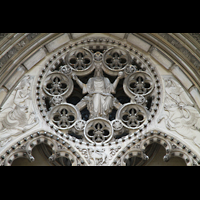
(99, 99)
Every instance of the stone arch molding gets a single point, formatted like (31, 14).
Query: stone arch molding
(156, 73)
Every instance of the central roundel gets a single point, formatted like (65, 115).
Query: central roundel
(98, 91)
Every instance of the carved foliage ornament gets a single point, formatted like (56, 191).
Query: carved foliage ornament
(62, 153)
(17, 115)
(98, 93)
(179, 113)
(97, 96)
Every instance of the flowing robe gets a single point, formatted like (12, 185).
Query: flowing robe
(100, 99)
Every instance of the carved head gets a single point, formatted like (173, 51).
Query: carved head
(98, 70)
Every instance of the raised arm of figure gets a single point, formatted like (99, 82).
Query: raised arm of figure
(77, 80)
(120, 76)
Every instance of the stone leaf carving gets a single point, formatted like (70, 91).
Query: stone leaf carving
(18, 116)
(95, 157)
(179, 112)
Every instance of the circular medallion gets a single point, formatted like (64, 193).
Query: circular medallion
(57, 84)
(98, 130)
(64, 116)
(132, 115)
(98, 91)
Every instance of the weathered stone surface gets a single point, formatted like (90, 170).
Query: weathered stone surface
(167, 63)
(138, 42)
(131, 106)
(30, 62)
(57, 42)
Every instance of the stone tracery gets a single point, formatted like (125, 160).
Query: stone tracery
(105, 70)
(99, 137)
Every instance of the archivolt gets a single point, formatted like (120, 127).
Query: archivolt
(60, 148)
(23, 148)
(177, 53)
(173, 147)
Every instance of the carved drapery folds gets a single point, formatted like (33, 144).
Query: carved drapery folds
(98, 99)
(18, 115)
(86, 90)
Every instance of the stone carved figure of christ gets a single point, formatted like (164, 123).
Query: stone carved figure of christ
(99, 100)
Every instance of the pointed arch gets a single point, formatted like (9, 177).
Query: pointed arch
(173, 147)
(175, 54)
(23, 148)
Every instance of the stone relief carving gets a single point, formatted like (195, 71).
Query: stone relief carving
(98, 94)
(112, 133)
(98, 156)
(180, 114)
(121, 91)
(94, 157)
(18, 116)
(99, 100)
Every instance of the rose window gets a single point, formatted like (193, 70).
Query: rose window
(98, 92)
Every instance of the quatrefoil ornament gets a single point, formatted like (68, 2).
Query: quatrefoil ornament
(98, 130)
(58, 84)
(139, 83)
(132, 115)
(98, 92)
(64, 116)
